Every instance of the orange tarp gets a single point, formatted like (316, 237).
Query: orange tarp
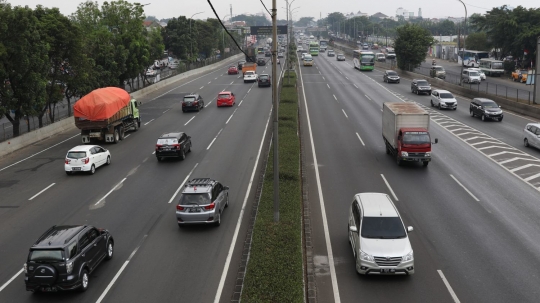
(101, 103)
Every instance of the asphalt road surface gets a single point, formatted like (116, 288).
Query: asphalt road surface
(135, 199)
(474, 209)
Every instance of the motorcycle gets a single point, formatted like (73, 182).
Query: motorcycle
(433, 62)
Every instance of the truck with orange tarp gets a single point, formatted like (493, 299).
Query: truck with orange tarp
(106, 114)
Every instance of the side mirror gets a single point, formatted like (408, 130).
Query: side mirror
(409, 229)
(500, 106)
(436, 140)
(353, 229)
(225, 188)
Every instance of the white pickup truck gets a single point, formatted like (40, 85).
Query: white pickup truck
(250, 76)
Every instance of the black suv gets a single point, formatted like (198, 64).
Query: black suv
(420, 86)
(192, 102)
(64, 256)
(486, 109)
(390, 76)
(268, 54)
(261, 61)
(175, 145)
(240, 64)
(264, 80)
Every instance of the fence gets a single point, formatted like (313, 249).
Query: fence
(28, 124)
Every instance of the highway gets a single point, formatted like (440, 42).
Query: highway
(135, 198)
(474, 209)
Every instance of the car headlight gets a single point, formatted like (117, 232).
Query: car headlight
(404, 154)
(69, 267)
(428, 154)
(408, 257)
(366, 257)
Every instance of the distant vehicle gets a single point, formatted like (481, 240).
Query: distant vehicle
(203, 201)
(86, 158)
(233, 70)
(240, 64)
(406, 132)
(479, 71)
(390, 76)
(531, 135)
(192, 102)
(260, 50)
(443, 99)
(340, 57)
(314, 48)
(308, 61)
(420, 86)
(330, 53)
(520, 75)
(173, 145)
(249, 66)
(471, 58)
(363, 60)
(491, 67)
(261, 61)
(380, 57)
(437, 71)
(225, 98)
(323, 45)
(264, 80)
(486, 109)
(250, 76)
(390, 53)
(299, 48)
(268, 54)
(470, 76)
(365, 46)
(280, 55)
(151, 72)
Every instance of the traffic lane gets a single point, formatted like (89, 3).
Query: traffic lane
(347, 168)
(199, 252)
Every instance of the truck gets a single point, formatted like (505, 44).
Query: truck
(105, 114)
(249, 66)
(405, 130)
(251, 54)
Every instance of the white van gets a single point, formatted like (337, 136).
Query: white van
(380, 57)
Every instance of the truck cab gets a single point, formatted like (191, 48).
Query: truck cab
(414, 144)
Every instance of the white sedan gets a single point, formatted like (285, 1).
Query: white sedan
(250, 76)
(480, 72)
(86, 158)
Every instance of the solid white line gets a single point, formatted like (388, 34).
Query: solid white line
(327, 85)
(237, 229)
(334, 96)
(360, 139)
(450, 290)
(110, 191)
(153, 152)
(465, 188)
(10, 280)
(345, 113)
(127, 136)
(39, 152)
(42, 191)
(240, 102)
(166, 110)
(390, 188)
(335, 288)
(148, 122)
(201, 87)
(182, 185)
(231, 116)
(355, 85)
(189, 120)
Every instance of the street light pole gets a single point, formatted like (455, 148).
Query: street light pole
(275, 111)
(463, 54)
(190, 39)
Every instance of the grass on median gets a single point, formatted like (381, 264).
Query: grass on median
(274, 272)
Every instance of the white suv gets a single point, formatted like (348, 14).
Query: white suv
(86, 158)
(443, 99)
(378, 237)
(250, 76)
(532, 135)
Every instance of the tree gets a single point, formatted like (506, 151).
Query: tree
(411, 44)
(176, 37)
(477, 41)
(304, 21)
(252, 20)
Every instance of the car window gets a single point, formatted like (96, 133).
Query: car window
(195, 199)
(356, 215)
(392, 74)
(490, 105)
(167, 141)
(83, 241)
(447, 96)
(383, 228)
(183, 138)
(189, 98)
(92, 234)
(76, 155)
(72, 250)
(264, 77)
(422, 83)
(46, 255)
(416, 138)
(224, 96)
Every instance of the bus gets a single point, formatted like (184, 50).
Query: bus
(492, 67)
(323, 44)
(363, 60)
(314, 48)
(471, 58)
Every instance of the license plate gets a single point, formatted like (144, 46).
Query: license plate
(194, 210)
(75, 168)
(49, 289)
(388, 270)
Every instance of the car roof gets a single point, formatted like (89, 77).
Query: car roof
(441, 91)
(82, 148)
(484, 100)
(191, 95)
(171, 135)
(389, 70)
(264, 75)
(416, 80)
(199, 185)
(533, 124)
(58, 236)
(224, 92)
(376, 205)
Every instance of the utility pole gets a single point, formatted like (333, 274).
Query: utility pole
(536, 94)
(463, 54)
(275, 111)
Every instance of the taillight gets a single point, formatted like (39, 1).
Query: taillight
(158, 146)
(67, 161)
(177, 146)
(183, 104)
(210, 206)
(179, 207)
(86, 160)
(196, 102)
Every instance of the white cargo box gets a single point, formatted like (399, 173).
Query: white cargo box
(398, 115)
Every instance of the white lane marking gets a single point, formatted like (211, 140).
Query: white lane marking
(233, 81)
(381, 110)
(323, 78)
(208, 104)
(360, 139)
(355, 85)
(249, 89)
(11, 280)
(465, 188)
(209, 82)
(215, 78)
(345, 113)
(120, 271)
(347, 77)
(189, 120)
(154, 152)
(368, 97)
(222, 90)
(39, 152)
(331, 264)
(327, 85)
(214, 139)
(41, 191)
(240, 102)
(166, 110)
(182, 185)
(201, 87)
(532, 177)
(237, 229)
(148, 122)
(334, 96)
(231, 116)
(110, 191)
(390, 188)
(450, 290)
(127, 136)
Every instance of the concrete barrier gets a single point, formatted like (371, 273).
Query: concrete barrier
(68, 124)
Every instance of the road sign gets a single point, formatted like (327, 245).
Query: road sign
(267, 30)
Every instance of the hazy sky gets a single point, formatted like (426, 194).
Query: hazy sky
(306, 8)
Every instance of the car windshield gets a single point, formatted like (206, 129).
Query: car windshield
(167, 141)
(76, 154)
(224, 96)
(422, 83)
(189, 98)
(195, 199)
(416, 138)
(473, 74)
(438, 68)
(446, 96)
(367, 58)
(392, 74)
(340, 56)
(308, 59)
(383, 228)
(46, 255)
(490, 105)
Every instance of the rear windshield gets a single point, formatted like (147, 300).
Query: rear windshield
(224, 96)
(249, 73)
(76, 155)
(416, 138)
(189, 98)
(46, 255)
(195, 199)
(167, 141)
(446, 96)
(383, 228)
(422, 83)
(264, 77)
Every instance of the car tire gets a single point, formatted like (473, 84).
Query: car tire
(455, 108)
(500, 119)
(136, 125)
(189, 149)
(183, 155)
(471, 113)
(218, 222)
(439, 106)
(417, 92)
(399, 161)
(526, 142)
(108, 160)
(227, 204)
(398, 82)
(110, 250)
(484, 118)
(93, 169)
(85, 281)
(432, 105)
(425, 163)
(159, 159)
(116, 136)
(69, 173)
(121, 133)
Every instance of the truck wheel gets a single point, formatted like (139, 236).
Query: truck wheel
(398, 161)
(136, 126)
(425, 163)
(121, 131)
(116, 136)
(183, 155)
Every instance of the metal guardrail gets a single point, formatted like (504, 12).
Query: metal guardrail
(28, 124)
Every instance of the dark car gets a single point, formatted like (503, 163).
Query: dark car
(173, 145)
(390, 76)
(261, 61)
(486, 109)
(64, 257)
(267, 54)
(192, 102)
(264, 80)
(330, 53)
(240, 64)
(420, 86)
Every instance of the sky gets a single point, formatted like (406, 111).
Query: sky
(301, 8)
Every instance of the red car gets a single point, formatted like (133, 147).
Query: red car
(233, 70)
(226, 99)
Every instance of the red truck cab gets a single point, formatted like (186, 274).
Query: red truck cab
(414, 144)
